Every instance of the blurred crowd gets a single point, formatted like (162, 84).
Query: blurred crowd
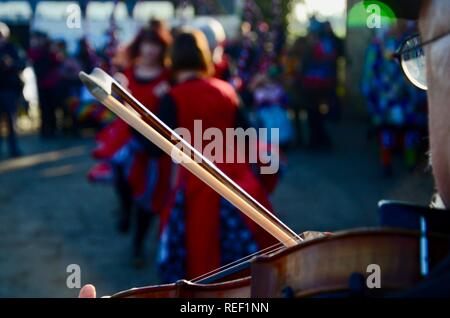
(277, 84)
(58, 88)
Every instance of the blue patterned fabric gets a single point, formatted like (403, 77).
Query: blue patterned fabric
(236, 240)
(123, 158)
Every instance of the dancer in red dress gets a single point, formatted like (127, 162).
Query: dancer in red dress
(201, 231)
(148, 176)
(142, 180)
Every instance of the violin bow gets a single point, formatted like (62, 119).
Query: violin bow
(104, 88)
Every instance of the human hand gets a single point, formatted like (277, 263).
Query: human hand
(88, 291)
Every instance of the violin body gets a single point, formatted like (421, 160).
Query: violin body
(318, 267)
(326, 265)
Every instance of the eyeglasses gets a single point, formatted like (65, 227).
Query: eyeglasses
(411, 57)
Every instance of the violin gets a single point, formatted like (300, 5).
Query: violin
(331, 265)
(295, 267)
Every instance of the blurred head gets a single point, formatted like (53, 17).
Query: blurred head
(158, 25)
(149, 47)
(83, 46)
(4, 32)
(433, 22)
(190, 52)
(315, 26)
(61, 44)
(212, 29)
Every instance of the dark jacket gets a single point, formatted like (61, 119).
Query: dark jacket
(11, 65)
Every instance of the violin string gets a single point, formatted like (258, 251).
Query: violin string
(240, 261)
(230, 265)
(229, 268)
(270, 249)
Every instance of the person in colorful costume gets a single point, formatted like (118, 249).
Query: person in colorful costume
(316, 80)
(270, 103)
(397, 108)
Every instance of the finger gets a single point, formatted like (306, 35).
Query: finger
(88, 291)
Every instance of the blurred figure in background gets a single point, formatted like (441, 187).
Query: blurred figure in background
(46, 64)
(11, 65)
(148, 176)
(141, 180)
(85, 109)
(397, 108)
(333, 100)
(86, 56)
(317, 79)
(292, 67)
(271, 102)
(244, 56)
(216, 36)
(68, 87)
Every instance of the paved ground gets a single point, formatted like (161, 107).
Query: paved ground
(51, 217)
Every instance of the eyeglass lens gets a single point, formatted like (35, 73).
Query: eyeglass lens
(413, 62)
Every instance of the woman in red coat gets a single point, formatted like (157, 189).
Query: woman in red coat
(201, 231)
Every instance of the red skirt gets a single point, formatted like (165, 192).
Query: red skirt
(200, 231)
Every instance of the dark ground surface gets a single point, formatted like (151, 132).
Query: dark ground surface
(50, 216)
